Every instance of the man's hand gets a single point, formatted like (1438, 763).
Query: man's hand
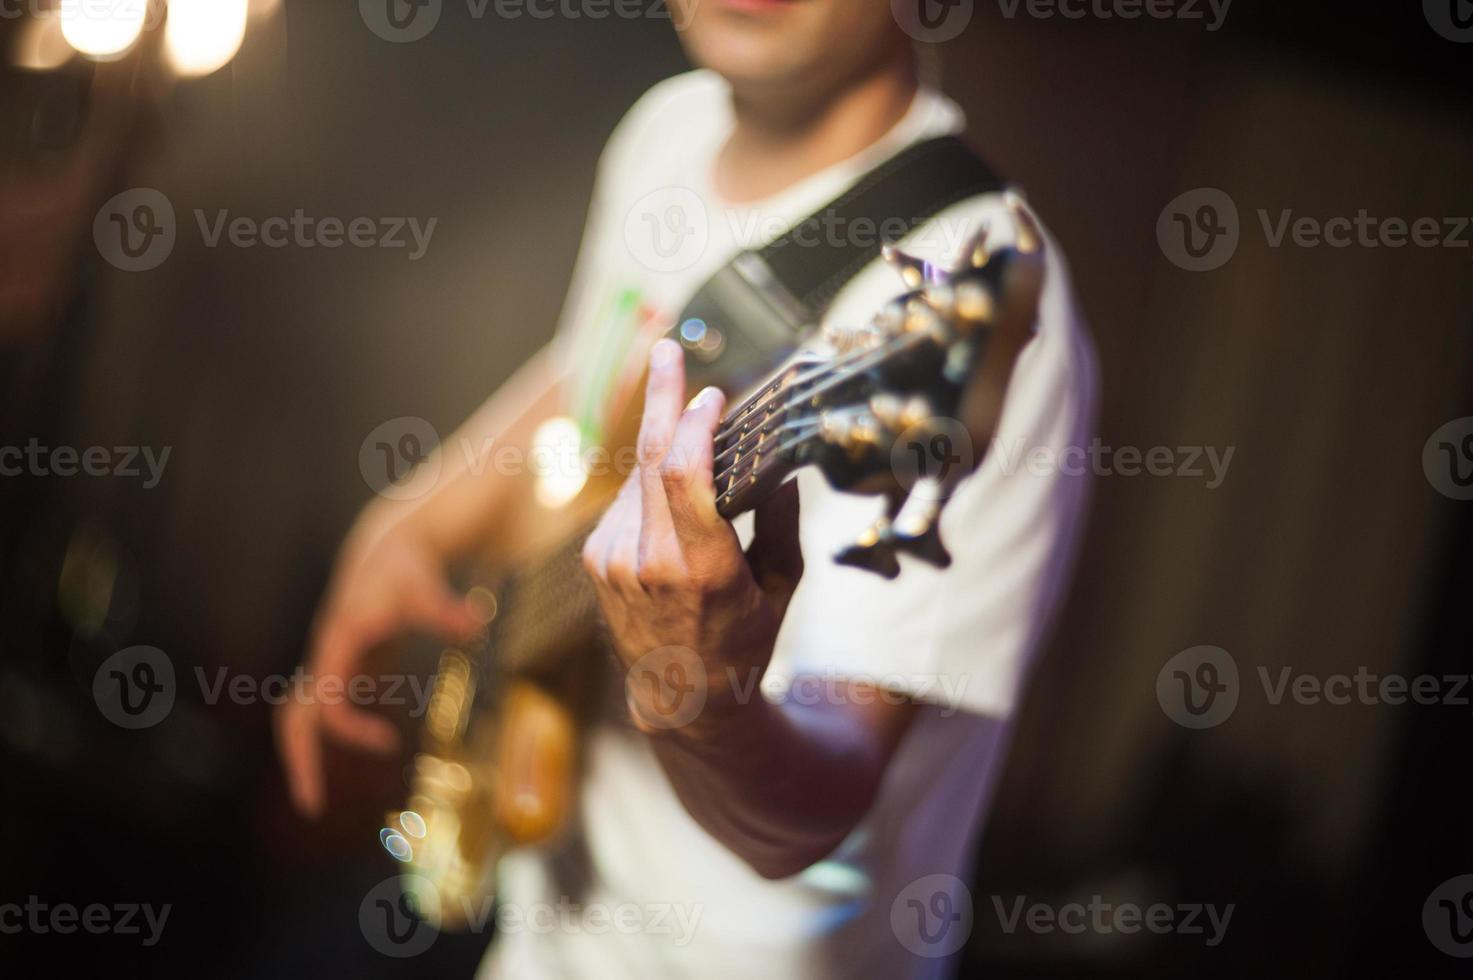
(669, 570)
(381, 590)
(779, 784)
(390, 578)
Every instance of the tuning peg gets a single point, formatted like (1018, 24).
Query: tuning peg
(976, 251)
(1028, 237)
(857, 431)
(941, 297)
(916, 529)
(974, 302)
(914, 272)
(921, 317)
(873, 552)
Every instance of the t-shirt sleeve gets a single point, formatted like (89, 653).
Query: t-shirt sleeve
(963, 637)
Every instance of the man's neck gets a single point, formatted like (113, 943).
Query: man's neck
(780, 138)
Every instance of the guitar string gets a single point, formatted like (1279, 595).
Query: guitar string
(767, 392)
(833, 369)
(729, 471)
(791, 444)
(836, 378)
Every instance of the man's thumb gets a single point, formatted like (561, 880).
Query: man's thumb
(445, 613)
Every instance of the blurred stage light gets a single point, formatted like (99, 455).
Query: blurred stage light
(39, 44)
(557, 462)
(102, 29)
(201, 36)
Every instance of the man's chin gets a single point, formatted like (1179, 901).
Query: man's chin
(747, 58)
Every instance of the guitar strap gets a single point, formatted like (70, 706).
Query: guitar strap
(758, 307)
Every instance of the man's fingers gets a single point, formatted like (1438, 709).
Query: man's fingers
(445, 613)
(625, 519)
(663, 398)
(296, 735)
(359, 728)
(686, 471)
(664, 395)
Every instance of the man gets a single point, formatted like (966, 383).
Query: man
(785, 836)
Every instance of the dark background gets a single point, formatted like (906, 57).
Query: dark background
(1326, 549)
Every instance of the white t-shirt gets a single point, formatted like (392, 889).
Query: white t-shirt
(643, 892)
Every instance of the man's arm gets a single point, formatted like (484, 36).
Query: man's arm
(780, 785)
(783, 785)
(391, 575)
(450, 505)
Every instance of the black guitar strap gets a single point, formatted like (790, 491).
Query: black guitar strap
(756, 309)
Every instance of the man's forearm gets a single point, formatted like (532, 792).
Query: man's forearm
(452, 503)
(782, 785)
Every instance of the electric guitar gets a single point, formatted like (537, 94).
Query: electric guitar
(869, 407)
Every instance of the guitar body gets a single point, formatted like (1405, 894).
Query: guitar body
(498, 760)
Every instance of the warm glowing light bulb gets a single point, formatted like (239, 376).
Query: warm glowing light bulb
(201, 36)
(102, 28)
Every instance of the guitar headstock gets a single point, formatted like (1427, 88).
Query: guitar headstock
(897, 406)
